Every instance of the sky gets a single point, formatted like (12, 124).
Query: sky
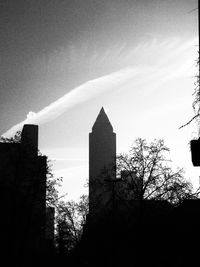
(61, 61)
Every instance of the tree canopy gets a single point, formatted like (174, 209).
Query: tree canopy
(70, 218)
(146, 174)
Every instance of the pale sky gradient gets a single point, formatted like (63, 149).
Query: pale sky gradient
(61, 61)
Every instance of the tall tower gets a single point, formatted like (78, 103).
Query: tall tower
(102, 164)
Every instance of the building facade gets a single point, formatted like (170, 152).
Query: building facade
(23, 196)
(102, 164)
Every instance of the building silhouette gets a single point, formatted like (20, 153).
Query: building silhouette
(102, 163)
(118, 232)
(23, 197)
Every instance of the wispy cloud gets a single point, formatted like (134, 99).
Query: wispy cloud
(80, 94)
(152, 63)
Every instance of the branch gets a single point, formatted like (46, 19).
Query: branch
(166, 179)
(197, 115)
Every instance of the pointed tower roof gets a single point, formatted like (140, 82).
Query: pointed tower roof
(102, 122)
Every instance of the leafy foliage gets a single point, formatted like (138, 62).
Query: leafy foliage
(52, 185)
(15, 139)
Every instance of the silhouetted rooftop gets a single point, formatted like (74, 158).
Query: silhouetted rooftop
(102, 121)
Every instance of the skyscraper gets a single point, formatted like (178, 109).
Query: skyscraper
(102, 164)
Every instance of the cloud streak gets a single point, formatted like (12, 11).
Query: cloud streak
(78, 95)
(176, 61)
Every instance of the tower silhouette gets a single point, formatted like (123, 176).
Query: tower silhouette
(102, 164)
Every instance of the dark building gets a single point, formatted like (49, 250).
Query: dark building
(102, 163)
(49, 231)
(131, 233)
(22, 196)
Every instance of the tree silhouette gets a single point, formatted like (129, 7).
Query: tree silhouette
(196, 101)
(147, 198)
(52, 185)
(14, 139)
(146, 174)
(70, 219)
